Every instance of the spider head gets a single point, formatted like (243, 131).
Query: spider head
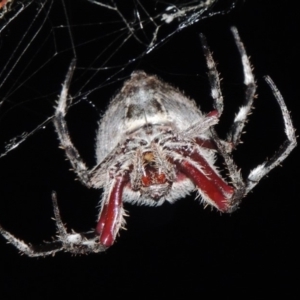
(152, 180)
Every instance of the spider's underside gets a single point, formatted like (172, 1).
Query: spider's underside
(155, 145)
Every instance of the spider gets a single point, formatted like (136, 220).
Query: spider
(155, 145)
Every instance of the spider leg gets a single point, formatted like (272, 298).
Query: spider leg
(237, 127)
(289, 144)
(111, 215)
(235, 174)
(196, 129)
(213, 76)
(63, 133)
(209, 183)
(76, 243)
(28, 249)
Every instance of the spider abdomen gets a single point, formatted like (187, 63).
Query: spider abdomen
(144, 101)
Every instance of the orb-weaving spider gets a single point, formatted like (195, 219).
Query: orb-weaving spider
(155, 145)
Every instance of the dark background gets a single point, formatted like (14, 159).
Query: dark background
(182, 249)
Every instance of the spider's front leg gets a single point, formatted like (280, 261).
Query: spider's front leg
(197, 164)
(210, 184)
(234, 173)
(213, 76)
(241, 187)
(234, 135)
(290, 143)
(61, 127)
(111, 215)
(212, 188)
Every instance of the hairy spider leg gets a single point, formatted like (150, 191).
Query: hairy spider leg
(236, 130)
(61, 127)
(234, 135)
(213, 76)
(289, 144)
(197, 169)
(234, 173)
(110, 219)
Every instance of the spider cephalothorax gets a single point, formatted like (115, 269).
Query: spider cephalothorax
(155, 145)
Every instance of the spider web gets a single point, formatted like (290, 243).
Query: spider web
(109, 39)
